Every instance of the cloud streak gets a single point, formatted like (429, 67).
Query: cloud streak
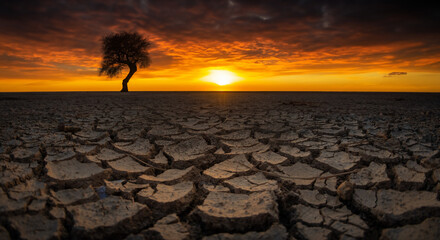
(391, 74)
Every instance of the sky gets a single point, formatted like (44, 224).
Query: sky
(276, 45)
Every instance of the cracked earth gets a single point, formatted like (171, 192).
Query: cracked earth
(219, 166)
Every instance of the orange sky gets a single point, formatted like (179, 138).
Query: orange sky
(267, 49)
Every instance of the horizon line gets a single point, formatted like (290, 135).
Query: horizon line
(196, 91)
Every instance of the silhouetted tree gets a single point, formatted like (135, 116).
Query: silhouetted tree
(121, 50)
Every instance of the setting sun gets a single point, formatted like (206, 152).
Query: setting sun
(221, 77)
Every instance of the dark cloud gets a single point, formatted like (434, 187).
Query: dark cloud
(302, 21)
(391, 74)
(7, 61)
(396, 73)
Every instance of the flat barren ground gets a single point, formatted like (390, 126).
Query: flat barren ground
(145, 165)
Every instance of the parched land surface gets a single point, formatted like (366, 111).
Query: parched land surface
(219, 166)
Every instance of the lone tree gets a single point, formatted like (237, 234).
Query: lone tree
(121, 50)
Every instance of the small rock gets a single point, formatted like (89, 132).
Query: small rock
(345, 190)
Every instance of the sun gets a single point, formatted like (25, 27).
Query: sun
(221, 77)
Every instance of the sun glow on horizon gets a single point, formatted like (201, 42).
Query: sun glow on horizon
(221, 77)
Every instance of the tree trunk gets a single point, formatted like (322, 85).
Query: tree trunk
(133, 69)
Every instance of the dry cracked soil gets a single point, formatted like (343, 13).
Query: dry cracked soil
(223, 165)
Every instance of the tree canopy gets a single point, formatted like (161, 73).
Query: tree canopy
(124, 49)
(121, 50)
